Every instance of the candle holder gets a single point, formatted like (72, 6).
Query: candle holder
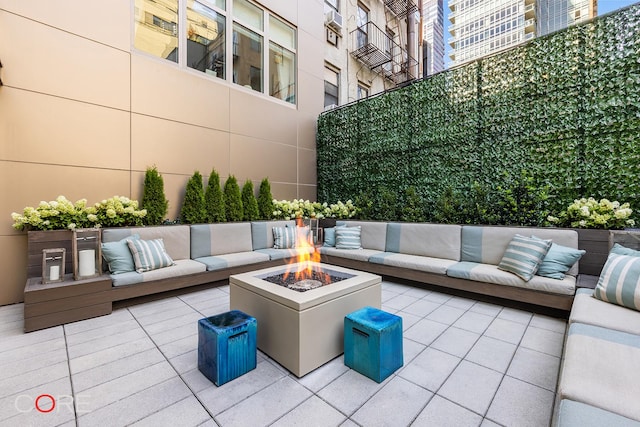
(53, 265)
(87, 253)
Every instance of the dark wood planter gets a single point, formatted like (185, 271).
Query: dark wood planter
(38, 240)
(596, 243)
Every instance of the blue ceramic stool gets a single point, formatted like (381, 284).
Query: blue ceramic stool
(226, 346)
(373, 342)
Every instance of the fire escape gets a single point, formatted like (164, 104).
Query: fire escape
(379, 50)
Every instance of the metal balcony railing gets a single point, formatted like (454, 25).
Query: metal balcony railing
(401, 8)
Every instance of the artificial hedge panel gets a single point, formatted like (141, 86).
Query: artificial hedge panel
(537, 125)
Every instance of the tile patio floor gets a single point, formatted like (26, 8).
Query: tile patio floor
(467, 363)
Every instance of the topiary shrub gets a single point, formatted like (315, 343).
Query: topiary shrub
(249, 202)
(193, 209)
(214, 199)
(153, 198)
(233, 200)
(265, 200)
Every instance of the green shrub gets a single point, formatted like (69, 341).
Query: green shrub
(193, 209)
(153, 198)
(522, 202)
(265, 200)
(249, 202)
(233, 200)
(214, 199)
(411, 209)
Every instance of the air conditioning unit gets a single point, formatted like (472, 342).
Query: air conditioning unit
(334, 20)
(330, 107)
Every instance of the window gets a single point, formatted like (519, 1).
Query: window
(363, 91)
(331, 86)
(330, 5)
(156, 28)
(362, 19)
(206, 30)
(195, 34)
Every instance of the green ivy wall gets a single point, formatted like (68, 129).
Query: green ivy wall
(564, 108)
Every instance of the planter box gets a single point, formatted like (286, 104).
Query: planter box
(596, 243)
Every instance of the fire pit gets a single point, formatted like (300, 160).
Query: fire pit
(303, 329)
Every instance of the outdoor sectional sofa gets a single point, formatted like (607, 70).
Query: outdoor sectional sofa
(456, 256)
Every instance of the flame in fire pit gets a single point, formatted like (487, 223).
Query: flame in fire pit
(303, 266)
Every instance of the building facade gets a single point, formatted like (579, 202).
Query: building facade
(95, 93)
(432, 36)
(480, 27)
(370, 46)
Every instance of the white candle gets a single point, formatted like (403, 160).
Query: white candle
(87, 262)
(54, 272)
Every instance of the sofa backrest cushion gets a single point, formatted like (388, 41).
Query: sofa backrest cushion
(487, 244)
(220, 239)
(176, 238)
(432, 240)
(373, 234)
(262, 234)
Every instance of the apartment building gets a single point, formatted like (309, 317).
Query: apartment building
(370, 46)
(481, 27)
(432, 36)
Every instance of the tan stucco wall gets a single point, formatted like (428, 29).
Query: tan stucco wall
(83, 116)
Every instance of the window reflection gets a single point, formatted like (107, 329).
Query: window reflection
(205, 39)
(282, 68)
(247, 58)
(156, 28)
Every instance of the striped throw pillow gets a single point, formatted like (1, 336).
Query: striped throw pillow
(524, 256)
(619, 282)
(284, 237)
(348, 237)
(149, 254)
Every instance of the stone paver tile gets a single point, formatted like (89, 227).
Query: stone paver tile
(397, 403)
(446, 314)
(19, 409)
(418, 292)
(387, 295)
(544, 341)
(36, 361)
(430, 369)
(395, 287)
(169, 335)
(471, 386)
(107, 355)
(421, 307)
(15, 342)
(156, 307)
(425, 331)
(486, 308)
(410, 349)
(515, 315)
(186, 413)
(399, 302)
(209, 309)
(536, 368)
(123, 387)
(325, 374)
(455, 341)
(349, 423)
(186, 361)
(47, 374)
(474, 322)
(116, 316)
(109, 341)
(100, 333)
(313, 412)
(438, 297)
(115, 369)
(349, 391)
(164, 315)
(492, 353)
(265, 406)
(179, 346)
(549, 323)
(218, 399)
(204, 295)
(175, 322)
(139, 405)
(506, 330)
(196, 381)
(522, 404)
(488, 423)
(459, 302)
(29, 351)
(443, 413)
(408, 320)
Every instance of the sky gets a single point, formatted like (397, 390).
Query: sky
(604, 6)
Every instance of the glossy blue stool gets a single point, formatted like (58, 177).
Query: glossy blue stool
(227, 346)
(373, 343)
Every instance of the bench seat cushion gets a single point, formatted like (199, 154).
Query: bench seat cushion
(285, 253)
(220, 239)
(181, 267)
(355, 254)
(262, 232)
(491, 274)
(176, 238)
(373, 234)
(602, 368)
(589, 310)
(219, 262)
(413, 262)
(429, 240)
(577, 414)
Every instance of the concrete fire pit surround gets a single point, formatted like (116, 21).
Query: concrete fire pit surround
(303, 330)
